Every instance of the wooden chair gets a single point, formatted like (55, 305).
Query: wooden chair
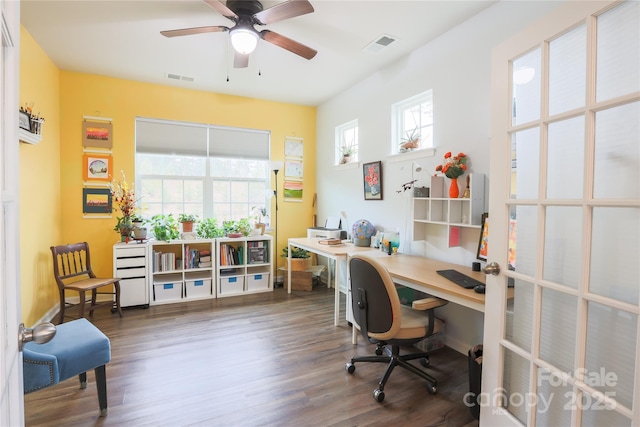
(72, 271)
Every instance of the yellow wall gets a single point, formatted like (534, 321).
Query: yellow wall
(122, 100)
(40, 204)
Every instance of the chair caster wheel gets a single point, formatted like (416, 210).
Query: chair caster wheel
(378, 395)
(379, 350)
(425, 362)
(432, 389)
(350, 367)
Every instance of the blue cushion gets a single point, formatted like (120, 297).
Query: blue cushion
(77, 347)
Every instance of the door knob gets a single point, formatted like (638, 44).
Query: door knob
(492, 268)
(41, 334)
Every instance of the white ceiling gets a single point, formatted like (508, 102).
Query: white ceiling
(122, 39)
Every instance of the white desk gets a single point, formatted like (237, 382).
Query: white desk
(336, 253)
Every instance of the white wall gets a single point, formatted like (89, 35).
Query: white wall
(457, 67)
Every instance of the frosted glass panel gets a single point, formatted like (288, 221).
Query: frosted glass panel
(594, 416)
(567, 71)
(565, 161)
(519, 315)
(611, 348)
(563, 245)
(516, 384)
(618, 59)
(558, 329)
(553, 397)
(614, 256)
(525, 163)
(525, 239)
(617, 156)
(526, 88)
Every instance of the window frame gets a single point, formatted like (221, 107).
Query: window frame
(341, 141)
(400, 128)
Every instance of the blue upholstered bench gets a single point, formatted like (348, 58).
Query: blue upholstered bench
(77, 347)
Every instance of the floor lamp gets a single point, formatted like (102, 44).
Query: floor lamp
(276, 167)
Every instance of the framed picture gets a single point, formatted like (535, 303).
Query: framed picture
(96, 134)
(293, 147)
(293, 169)
(483, 244)
(372, 176)
(23, 121)
(292, 191)
(96, 167)
(96, 200)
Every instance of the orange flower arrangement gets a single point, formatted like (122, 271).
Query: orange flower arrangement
(453, 166)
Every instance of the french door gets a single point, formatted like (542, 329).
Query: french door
(11, 398)
(564, 215)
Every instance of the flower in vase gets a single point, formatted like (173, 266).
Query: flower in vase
(453, 166)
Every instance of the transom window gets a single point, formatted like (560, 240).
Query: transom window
(209, 171)
(347, 142)
(412, 119)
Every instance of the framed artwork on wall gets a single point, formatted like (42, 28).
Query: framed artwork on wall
(97, 134)
(96, 167)
(483, 244)
(372, 177)
(96, 200)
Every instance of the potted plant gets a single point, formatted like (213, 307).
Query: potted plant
(347, 151)
(187, 221)
(260, 215)
(124, 226)
(300, 258)
(237, 228)
(165, 227)
(139, 231)
(411, 141)
(208, 228)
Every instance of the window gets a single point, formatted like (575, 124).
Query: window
(347, 142)
(210, 171)
(413, 117)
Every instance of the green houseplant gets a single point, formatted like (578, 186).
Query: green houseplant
(208, 228)
(411, 141)
(300, 258)
(237, 228)
(165, 227)
(187, 221)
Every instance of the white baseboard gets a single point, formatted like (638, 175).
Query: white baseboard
(53, 311)
(457, 345)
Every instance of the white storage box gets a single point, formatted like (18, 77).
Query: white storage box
(231, 285)
(197, 288)
(167, 291)
(257, 282)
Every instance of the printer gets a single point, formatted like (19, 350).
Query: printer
(331, 230)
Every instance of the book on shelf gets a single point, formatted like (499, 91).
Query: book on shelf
(204, 258)
(204, 264)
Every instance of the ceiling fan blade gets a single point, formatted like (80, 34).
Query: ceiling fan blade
(288, 44)
(240, 60)
(222, 9)
(195, 30)
(282, 11)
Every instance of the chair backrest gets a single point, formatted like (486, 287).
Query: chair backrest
(375, 301)
(71, 262)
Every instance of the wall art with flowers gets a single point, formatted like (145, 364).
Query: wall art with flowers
(453, 167)
(372, 180)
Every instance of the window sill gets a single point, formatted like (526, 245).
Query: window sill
(350, 165)
(412, 155)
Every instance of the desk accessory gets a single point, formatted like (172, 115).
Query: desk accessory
(460, 279)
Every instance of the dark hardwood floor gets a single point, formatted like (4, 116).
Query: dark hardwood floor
(268, 359)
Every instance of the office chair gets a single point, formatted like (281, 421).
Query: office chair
(77, 347)
(383, 321)
(72, 271)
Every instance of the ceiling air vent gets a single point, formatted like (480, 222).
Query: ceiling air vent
(179, 77)
(380, 43)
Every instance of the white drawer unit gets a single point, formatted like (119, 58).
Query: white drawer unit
(130, 265)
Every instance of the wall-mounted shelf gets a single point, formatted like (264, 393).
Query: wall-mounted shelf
(452, 213)
(28, 137)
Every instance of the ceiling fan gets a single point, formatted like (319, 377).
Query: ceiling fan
(246, 14)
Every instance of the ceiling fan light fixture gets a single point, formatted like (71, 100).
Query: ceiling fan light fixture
(244, 40)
